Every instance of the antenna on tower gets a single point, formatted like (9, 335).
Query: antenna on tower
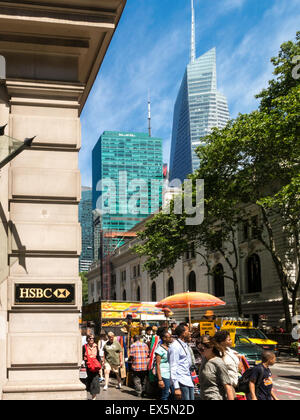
(193, 35)
(149, 114)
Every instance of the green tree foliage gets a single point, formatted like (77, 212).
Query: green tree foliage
(84, 288)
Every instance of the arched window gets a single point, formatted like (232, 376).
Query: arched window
(170, 286)
(219, 286)
(124, 295)
(192, 282)
(138, 294)
(153, 292)
(254, 274)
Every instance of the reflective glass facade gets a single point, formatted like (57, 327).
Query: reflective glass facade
(139, 158)
(86, 222)
(199, 107)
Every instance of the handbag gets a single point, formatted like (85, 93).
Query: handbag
(92, 363)
(82, 372)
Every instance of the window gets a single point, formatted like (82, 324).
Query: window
(192, 282)
(123, 276)
(138, 294)
(245, 231)
(124, 295)
(219, 286)
(153, 292)
(170, 286)
(255, 227)
(254, 284)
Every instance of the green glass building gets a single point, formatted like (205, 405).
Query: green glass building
(127, 179)
(86, 222)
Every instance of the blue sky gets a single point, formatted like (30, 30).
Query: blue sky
(151, 49)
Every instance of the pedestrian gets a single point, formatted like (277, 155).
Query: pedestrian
(101, 343)
(199, 356)
(231, 358)
(173, 328)
(84, 336)
(90, 351)
(181, 362)
(112, 359)
(215, 383)
(163, 366)
(139, 357)
(261, 382)
(147, 337)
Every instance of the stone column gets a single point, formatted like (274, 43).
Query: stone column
(44, 241)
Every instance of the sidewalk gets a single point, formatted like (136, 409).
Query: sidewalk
(114, 394)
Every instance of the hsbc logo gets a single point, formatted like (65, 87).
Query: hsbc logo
(44, 294)
(2, 68)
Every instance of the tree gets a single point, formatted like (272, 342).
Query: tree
(255, 161)
(167, 237)
(85, 291)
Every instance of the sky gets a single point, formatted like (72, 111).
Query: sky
(151, 49)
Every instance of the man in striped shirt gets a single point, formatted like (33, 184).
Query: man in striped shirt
(139, 355)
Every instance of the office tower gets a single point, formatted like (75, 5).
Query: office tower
(86, 222)
(127, 188)
(127, 159)
(199, 107)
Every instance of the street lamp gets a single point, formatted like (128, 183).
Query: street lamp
(26, 144)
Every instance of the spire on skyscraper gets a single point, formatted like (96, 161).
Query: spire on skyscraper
(193, 35)
(149, 114)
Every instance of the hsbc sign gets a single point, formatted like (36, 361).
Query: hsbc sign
(45, 294)
(2, 68)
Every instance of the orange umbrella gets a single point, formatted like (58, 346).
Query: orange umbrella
(190, 300)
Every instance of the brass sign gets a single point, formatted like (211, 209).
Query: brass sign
(45, 294)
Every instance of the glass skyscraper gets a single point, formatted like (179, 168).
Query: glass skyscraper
(133, 163)
(199, 107)
(86, 222)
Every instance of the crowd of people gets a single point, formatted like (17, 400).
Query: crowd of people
(163, 357)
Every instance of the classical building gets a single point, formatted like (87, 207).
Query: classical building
(257, 276)
(53, 51)
(199, 107)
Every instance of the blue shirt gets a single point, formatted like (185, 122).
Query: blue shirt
(180, 362)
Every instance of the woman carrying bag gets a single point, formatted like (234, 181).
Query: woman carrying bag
(91, 358)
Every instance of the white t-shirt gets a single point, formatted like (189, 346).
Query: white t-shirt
(232, 362)
(101, 345)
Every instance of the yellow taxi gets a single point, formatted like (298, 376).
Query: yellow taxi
(244, 328)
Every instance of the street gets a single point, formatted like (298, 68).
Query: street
(286, 379)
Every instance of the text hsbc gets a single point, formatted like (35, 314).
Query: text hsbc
(35, 293)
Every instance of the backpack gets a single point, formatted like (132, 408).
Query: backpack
(243, 384)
